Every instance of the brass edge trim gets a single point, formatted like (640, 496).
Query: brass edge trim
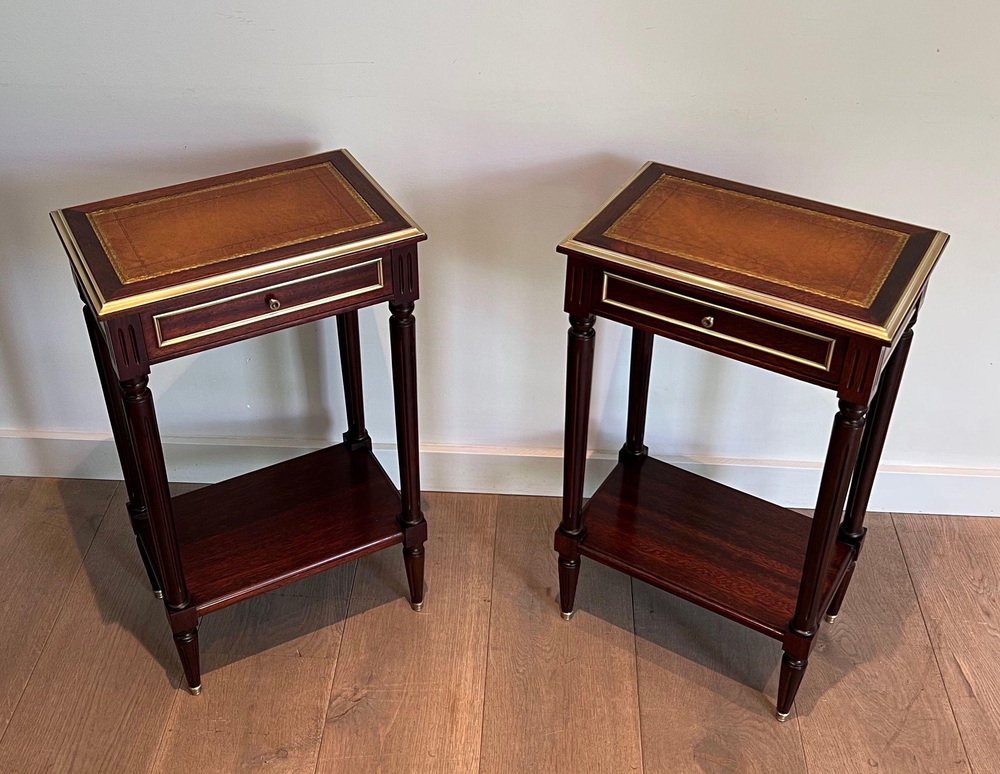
(219, 280)
(924, 268)
(599, 210)
(382, 191)
(267, 315)
(824, 366)
(695, 280)
(76, 259)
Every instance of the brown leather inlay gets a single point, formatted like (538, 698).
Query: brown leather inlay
(818, 253)
(204, 227)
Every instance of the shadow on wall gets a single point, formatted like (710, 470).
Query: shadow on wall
(491, 253)
(41, 337)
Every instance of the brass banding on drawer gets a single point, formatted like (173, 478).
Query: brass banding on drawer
(213, 317)
(719, 322)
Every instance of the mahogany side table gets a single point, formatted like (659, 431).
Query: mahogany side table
(186, 268)
(818, 293)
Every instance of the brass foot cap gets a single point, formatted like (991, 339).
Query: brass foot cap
(830, 618)
(782, 716)
(567, 616)
(417, 606)
(196, 690)
(158, 594)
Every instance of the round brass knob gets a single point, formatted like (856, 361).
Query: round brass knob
(273, 303)
(707, 321)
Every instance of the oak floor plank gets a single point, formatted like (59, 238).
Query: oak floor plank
(953, 562)
(706, 692)
(560, 696)
(408, 691)
(46, 529)
(262, 713)
(873, 698)
(100, 692)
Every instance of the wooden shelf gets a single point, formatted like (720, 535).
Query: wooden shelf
(720, 548)
(267, 528)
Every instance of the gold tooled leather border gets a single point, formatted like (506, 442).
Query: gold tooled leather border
(885, 333)
(103, 307)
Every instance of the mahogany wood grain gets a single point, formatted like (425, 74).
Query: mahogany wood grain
(765, 224)
(402, 342)
(733, 553)
(349, 340)
(409, 689)
(874, 699)
(560, 696)
(852, 529)
(264, 529)
(579, 370)
(640, 365)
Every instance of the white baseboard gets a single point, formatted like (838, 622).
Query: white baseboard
(503, 470)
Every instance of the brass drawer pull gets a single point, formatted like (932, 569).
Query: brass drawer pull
(707, 321)
(273, 303)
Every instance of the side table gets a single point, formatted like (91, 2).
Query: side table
(815, 292)
(186, 268)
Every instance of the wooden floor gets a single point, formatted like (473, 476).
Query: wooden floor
(337, 674)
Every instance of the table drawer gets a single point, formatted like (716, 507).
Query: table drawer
(265, 307)
(718, 327)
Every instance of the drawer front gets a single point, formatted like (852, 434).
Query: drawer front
(269, 306)
(718, 327)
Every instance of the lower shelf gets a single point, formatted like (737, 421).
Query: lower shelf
(723, 549)
(264, 529)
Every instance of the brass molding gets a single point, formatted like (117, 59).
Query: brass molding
(823, 366)
(266, 315)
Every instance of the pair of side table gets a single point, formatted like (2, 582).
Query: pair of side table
(818, 293)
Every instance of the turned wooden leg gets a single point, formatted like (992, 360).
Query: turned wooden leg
(638, 395)
(852, 530)
(402, 339)
(349, 338)
(841, 456)
(145, 435)
(187, 647)
(579, 371)
(136, 505)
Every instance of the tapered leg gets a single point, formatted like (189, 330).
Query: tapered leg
(852, 530)
(841, 456)
(187, 647)
(356, 436)
(402, 339)
(145, 435)
(136, 505)
(638, 395)
(579, 371)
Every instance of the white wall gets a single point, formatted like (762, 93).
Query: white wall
(499, 128)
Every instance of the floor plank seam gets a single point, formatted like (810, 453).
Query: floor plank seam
(336, 663)
(489, 630)
(59, 612)
(930, 639)
(635, 655)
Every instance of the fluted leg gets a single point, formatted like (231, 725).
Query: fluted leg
(579, 371)
(840, 460)
(852, 530)
(402, 338)
(187, 648)
(136, 505)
